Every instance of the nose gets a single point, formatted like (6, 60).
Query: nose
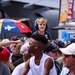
(64, 58)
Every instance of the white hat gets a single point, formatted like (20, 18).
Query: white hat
(69, 50)
(24, 48)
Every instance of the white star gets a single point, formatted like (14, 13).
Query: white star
(22, 26)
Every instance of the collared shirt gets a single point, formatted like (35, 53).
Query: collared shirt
(64, 71)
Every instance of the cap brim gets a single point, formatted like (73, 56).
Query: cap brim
(65, 51)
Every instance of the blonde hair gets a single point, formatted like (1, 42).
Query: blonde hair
(40, 19)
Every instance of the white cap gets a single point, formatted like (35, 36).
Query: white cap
(69, 50)
(24, 48)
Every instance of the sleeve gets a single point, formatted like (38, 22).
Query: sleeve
(6, 71)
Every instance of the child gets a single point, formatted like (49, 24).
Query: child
(41, 28)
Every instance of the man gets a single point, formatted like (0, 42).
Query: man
(69, 59)
(39, 63)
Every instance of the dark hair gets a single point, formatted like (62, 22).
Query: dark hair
(14, 38)
(73, 56)
(72, 41)
(50, 48)
(59, 43)
(40, 38)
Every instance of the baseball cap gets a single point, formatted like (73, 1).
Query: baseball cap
(5, 54)
(59, 43)
(69, 50)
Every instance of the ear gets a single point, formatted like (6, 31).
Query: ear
(36, 46)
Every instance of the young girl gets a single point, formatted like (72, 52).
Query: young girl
(41, 28)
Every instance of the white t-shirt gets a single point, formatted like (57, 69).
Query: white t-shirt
(38, 69)
(18, 70)
(64, 71)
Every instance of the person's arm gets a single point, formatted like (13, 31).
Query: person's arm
(26, 68)
(48, 66)
(10, 65)
(9, 42)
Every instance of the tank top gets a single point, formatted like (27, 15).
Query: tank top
(38, 69)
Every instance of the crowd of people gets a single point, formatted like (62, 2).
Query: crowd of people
(38, 54)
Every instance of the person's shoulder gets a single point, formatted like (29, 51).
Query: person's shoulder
(3, 65)
(32, 57)
(21, 65)
(47, 56)
(49, 63)
(47, 32)
(35, 32)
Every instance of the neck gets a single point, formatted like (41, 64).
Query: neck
(38, 55)
(72, 70)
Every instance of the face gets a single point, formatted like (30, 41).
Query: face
(68, 60)
(29, 46)
(53, 54)
(41, 25)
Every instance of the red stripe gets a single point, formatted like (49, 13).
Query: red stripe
(23, 27)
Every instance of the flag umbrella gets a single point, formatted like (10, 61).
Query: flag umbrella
(14, 26)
